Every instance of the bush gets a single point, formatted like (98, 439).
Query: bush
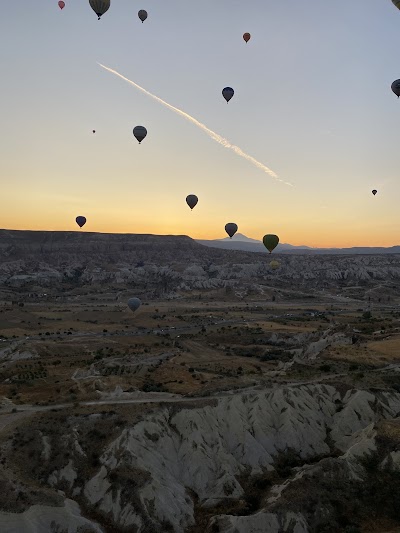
(325, 368)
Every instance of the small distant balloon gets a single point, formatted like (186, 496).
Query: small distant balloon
(100, 7)
(191, 200)
(134, 304)
(231, 228)
(374, 192)
(274, 264)
(140, 133)
(94, 131)
(270, 242)
(142, 14)
(61, 4)
(81, 221)
(246, 37)
(396, 87)
(227, 93)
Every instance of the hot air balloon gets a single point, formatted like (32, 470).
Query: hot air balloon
(142, 14)
(246, 37)
(100, 6)
(274, 264)
(231, 228)
(134, 304)
(374, 192)
(61, 4)
(81, 221)
(191, 200)
(396, 88)
(227, 93)
(270, 242)
(140, 133)
(94, 131)
(396, 3)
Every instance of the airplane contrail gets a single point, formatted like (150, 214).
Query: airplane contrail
(221, 140)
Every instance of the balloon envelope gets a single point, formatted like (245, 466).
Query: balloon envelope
(100, 6)
(227, 93)
(191, 200)
(374, 192)
(142, 14)
(274, 264)
(81, 221)
(231, 228)
(270, 242)
(246, 37)
(140, 133)
(396, 87)
(134, 304)
(396, 3)
(61, 4)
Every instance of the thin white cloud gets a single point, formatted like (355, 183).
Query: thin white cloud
(220, 140)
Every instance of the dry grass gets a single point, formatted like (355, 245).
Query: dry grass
(388, 348)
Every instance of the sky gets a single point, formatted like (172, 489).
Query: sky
(312, 103)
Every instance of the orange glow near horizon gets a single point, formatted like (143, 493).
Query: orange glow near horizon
(333, 142)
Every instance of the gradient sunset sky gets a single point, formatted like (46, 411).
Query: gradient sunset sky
(312, 102)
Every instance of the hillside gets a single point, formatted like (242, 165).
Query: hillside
(236, 399)
(158, 266)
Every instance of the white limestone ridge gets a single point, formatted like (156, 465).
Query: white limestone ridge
(45, 519)
(206, 449)
(174, 452)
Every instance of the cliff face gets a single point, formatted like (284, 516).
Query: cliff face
(160, 265)
(295, 445)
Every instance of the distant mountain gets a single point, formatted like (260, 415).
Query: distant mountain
(245, 244)
(240, 238)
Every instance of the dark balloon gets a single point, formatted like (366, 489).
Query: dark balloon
(191, 200)
(134, 304)
(231, 228)
(142, 15)
(140, 133)
(94, 131)
(374, 192)
(227, 93)
(61, 4)
(246, 37)
(396, 87)
(270, 242)
(81, 221)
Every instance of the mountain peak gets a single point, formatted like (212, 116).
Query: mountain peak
(239, 237)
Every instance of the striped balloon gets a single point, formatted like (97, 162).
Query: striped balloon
(100, 6)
